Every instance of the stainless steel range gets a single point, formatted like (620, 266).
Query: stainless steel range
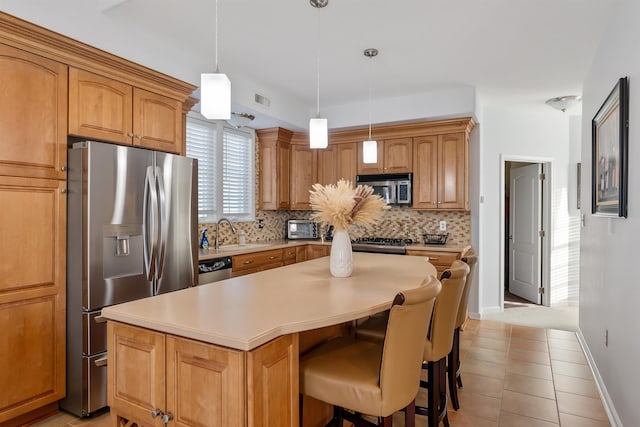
(382, 245)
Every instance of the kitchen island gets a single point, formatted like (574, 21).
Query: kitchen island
(227, 353)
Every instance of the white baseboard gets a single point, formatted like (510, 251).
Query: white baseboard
(614, 419)
(490, 310)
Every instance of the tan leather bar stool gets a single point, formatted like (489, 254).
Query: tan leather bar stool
(439, 343)
(453, 363)
(371, 378)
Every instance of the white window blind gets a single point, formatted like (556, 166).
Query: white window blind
(226, 178)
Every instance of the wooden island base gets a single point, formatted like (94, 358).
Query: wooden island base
(180, 377)
(200, 384)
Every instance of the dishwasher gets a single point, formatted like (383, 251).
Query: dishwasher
(213, 270)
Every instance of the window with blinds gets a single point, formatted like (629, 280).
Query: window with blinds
(226, 178)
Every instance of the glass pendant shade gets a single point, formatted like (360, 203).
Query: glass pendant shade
(215, 96)
(370, 151)
(318, 133)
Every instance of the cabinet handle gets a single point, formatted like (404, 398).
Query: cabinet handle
(248, 262)
(130, 134)
(273, 257)
(156, 413)
(101, 362)
(64, 168)
(433, 258)
(139, 136)
(167, 417)
(63, 190)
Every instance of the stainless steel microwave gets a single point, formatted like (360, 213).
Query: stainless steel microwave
(394, 188)
(302, 229)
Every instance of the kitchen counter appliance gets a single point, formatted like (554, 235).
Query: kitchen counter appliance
(394, 188)
(131, 233)
(302, 229)
(382, 245)
(214, 270)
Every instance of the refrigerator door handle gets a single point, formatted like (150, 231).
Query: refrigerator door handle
(150, 226)
(164, 223)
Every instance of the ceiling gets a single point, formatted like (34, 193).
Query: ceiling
(510, 51)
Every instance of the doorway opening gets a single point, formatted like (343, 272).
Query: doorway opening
(525, 219)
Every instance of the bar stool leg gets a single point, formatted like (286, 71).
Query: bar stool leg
(452, 368)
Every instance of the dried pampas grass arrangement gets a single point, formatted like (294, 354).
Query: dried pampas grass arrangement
(341, 205)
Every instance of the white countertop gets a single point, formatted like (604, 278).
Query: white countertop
(248, 311)
(231, 250)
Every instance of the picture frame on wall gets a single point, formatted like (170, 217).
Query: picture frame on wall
(609, 135)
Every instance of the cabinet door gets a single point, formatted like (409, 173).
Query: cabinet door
(32, 294)
(398, 154)
(452, 176)
(347, 161)
(205, 384)
(425, 172)
(371, 168)
(33, 115)
(317, 251)
(136, 373)
(272, 382)
(327, 165)
(303, 175)
(157, 121)
(99, 108)
(274, 175)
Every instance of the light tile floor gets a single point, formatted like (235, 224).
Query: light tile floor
(514, 376)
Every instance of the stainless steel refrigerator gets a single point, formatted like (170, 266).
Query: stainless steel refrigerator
(131, 233)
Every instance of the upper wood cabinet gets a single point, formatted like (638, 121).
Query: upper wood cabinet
(394, 156)
(275, 160)
(327, 165)
(105, 109)
(338, 161)
(440, 166)
(33, 115)
(32, 294)
(304, 171)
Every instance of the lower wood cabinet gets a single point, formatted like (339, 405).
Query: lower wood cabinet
(154, 375)
(256, 261)
(32, 294)
(317, 251)
(440, 260)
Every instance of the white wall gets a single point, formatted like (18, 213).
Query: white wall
(454, 102)
(610, 291)
(510, 133)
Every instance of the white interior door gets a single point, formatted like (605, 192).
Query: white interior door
(524, 238)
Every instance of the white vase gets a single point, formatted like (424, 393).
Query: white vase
(341, 257)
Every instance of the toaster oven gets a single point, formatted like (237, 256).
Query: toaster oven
(302, 229)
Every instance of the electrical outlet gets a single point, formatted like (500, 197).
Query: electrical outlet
(606, 338)
(261, 223)
(443, 225)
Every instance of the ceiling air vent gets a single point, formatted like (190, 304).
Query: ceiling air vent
(262, 100)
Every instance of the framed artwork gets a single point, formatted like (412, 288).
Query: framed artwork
(609, 135)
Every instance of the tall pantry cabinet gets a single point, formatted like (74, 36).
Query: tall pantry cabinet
(36, 118)
(33, 139)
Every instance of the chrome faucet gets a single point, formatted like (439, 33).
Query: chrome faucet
(233, 229)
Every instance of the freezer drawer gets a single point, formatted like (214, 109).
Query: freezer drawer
(95, 372)
(94, 333)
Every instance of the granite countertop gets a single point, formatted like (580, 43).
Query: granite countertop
(231, 250)
(247, 311)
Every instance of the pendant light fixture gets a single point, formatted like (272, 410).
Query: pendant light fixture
(370, 146)
(215, 89)
(318, 129)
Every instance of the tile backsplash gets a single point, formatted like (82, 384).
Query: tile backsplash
(396, 222)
